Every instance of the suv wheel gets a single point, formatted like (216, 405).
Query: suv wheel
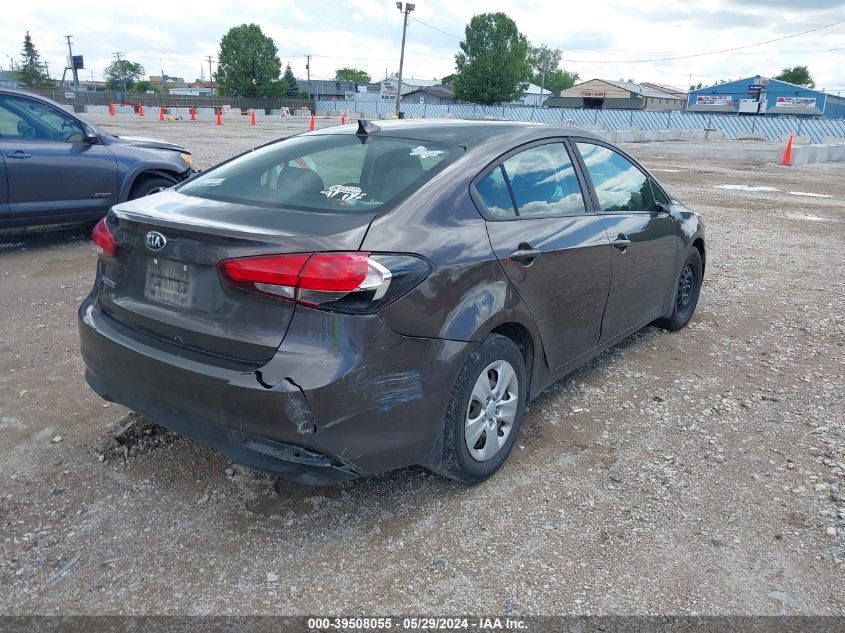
(485, 411)
(149, 186)
(686, 294)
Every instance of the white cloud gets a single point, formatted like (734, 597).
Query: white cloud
(603, 37)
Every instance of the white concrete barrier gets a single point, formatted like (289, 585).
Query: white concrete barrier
(594, 127)
(714, 135)
(750, 136)
(798, 139)
(833, 140)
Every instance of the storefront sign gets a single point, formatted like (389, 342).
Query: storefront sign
(796, 102)
(725, 100)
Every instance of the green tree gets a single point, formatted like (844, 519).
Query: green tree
(556, 78)
(352, 74)
(493, 65)
(31, 71)
(290, 80)
(144, 86)
(798, 75)
(123, 74)
(248, 64)
(448, 80)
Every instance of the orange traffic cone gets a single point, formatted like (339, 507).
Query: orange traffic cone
(193, 114)
(111, 109)
(140, 109)
(787, 154)
(219, 118)
(311, 129)
(342, 120)
(252, 118)
(161, 113)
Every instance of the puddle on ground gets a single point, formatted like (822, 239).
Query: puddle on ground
(62, 267)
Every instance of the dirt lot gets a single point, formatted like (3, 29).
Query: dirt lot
(696, 472)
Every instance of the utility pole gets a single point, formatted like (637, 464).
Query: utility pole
(405, 9)
(120, 70)
(72, 65)
(308, 67)
(210, 76)
(543, 76)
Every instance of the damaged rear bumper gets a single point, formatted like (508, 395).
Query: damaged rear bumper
(343, 396)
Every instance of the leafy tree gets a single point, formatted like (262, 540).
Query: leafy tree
(248, 64)
(448, 80)
(120, 75)
(144, 86)
(290, 80)
(798, 75)
(493, 65)
(352, 74)
(31, 71)
(556, 78)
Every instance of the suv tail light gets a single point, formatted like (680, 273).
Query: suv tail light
(356, 282)
(104, 243)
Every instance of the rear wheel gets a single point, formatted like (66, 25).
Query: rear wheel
(485, 411)
(686, 294)
(147, 186)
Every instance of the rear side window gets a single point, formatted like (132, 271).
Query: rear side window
(335, 172)
(493, 190)
(619, 184)
(544, 181)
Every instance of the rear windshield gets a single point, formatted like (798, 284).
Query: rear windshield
(335, 172)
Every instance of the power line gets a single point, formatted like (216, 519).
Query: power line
(436, 29)
(719, 52)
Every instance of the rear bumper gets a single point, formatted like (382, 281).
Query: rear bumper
(343, 396)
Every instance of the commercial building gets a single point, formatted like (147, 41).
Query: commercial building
(760, 95)
(615, 95)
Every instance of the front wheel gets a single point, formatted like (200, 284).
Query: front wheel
(485, 411)
(686, 294)
(149, 186)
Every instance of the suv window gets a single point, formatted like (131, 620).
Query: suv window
(544, 181)
(335, 172)
(22, 118)
(619, 184)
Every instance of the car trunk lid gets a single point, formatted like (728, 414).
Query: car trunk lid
(164, 280)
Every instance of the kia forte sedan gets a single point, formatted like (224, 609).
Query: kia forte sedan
(364, 298)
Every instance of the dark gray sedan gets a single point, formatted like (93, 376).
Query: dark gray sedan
(56, 167)
(368, 297)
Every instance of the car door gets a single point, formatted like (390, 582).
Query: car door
(642, 234)
(552, 247)
(4, 191)
(51, 168)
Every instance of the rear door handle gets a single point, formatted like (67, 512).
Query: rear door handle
(18, 154)
(525, 254)
(621, 242)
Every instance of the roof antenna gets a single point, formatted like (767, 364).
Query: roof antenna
(365, 128)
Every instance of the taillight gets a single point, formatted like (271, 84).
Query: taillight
(345, 282)
(104, 243)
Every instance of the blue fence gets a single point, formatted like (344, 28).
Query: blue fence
(773, 128)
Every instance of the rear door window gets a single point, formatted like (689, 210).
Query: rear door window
(494, 192)
(544, 182)
(334, 172)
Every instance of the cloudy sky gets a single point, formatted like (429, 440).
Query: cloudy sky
(612, 39)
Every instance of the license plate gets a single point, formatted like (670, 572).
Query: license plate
(169, 282)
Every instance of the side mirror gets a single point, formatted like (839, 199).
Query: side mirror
(90, 134)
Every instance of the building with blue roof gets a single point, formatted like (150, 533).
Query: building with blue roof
(767, 97)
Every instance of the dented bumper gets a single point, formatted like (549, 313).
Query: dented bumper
(342, 397)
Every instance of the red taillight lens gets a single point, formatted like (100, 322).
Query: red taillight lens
(104, 243)
(346, 282)
(334, 272)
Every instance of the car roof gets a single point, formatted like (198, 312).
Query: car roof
(445, 131)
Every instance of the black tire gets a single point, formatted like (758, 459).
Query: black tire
(685, 298)
(148, 185)
(457, 461)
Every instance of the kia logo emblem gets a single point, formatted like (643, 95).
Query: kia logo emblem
(155, 241)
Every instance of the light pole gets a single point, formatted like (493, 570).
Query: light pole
(405, 9)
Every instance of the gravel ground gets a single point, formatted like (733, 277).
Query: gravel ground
(696, 472)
